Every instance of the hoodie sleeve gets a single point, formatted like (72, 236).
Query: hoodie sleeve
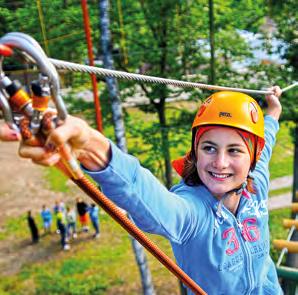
(153, 208)
(261, 173)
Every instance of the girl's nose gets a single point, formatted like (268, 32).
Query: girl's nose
(220, 161)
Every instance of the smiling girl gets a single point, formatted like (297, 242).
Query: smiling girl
(216, 218)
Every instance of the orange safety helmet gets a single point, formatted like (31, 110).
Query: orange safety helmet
(232, 109)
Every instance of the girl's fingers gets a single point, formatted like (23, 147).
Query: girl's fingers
(38, 154)
(274, 108)
(48, 161)
(276, 91)
(73, 130)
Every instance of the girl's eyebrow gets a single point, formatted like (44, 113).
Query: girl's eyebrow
(236, 145)
(229, 145)
(209, 142)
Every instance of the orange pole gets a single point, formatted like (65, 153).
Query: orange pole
(91, 63)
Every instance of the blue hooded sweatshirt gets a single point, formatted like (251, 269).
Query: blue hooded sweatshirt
(223, 253)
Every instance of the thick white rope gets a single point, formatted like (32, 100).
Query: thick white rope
(60, 64)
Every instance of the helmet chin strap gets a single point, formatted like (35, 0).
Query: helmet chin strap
(237, 191)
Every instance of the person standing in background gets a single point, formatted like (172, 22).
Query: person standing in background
(93, 212)
(33, 227)
(61, 223)
(59, 206)
(82, 209)
(71, 223)
(46, 216)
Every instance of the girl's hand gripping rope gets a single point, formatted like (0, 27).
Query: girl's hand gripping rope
(274, 106)
(89, 146)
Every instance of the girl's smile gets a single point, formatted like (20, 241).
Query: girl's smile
(223, 160)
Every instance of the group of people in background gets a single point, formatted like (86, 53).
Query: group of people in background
(66, 220)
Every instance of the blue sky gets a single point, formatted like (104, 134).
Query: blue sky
(257, 43)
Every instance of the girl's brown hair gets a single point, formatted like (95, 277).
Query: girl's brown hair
(190, 174)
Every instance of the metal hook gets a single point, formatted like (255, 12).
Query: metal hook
(31, 47)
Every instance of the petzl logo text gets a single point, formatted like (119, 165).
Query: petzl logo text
(225, 114)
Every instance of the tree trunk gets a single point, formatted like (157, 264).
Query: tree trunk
(117, 114)
(211, 40)
(165, 141)
(163, 45)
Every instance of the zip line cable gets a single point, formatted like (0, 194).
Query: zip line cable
(60, 64)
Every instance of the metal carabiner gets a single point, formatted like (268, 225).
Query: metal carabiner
(31, 47)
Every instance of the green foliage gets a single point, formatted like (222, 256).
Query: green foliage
(83, 108)
(285, 15)
(281, 163)
(144, 138)
(63, 25)
(56, 179)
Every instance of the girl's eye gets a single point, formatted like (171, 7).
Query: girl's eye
(209, 149)
(234, 151)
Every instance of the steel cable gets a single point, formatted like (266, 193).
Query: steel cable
(60, 64)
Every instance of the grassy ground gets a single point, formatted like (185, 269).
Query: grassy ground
(282, 158)
(104, 266)
(280, 191)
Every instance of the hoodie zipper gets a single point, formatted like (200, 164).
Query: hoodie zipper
(247, 252)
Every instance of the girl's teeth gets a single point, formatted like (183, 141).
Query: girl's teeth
(219, 175)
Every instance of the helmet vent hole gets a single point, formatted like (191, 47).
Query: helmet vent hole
(253, 113)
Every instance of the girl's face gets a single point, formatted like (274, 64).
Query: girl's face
(223, 160)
